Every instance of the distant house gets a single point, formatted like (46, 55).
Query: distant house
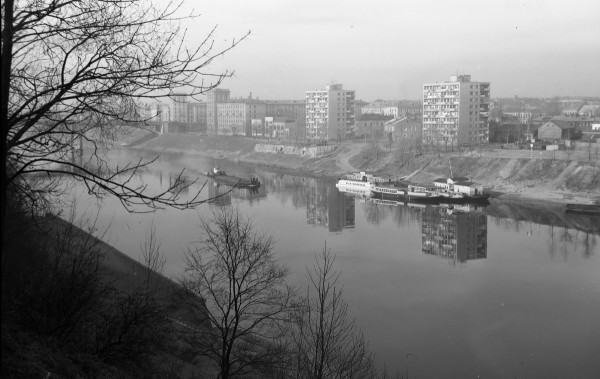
(404, 129)
(579, 123)
(572, 108)
(555, 130)
(589, 110)
(370, 126)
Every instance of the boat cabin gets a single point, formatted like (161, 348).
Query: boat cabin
(421, 188)
(364, 177)
(468, 188)
(459, 185)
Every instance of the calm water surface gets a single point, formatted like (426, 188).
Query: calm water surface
(438, 292)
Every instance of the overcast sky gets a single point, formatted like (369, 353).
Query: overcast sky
(388, 49)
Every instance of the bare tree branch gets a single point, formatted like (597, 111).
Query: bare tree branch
(247, 298)
(77, 71)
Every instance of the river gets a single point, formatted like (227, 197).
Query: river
(498, 292)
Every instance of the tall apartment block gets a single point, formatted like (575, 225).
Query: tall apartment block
(213, 98)
(329, 113)
(456, 112)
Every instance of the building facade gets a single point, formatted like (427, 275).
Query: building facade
(405, 130)
(213, 98)
(329, 113)
(289, 110)
(234, 117)
(370, 126)
(456, 112)
(394, 108)
(555, 131)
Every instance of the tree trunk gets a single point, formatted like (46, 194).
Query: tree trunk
(6, 64)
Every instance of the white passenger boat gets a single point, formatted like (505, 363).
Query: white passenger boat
(358, 181)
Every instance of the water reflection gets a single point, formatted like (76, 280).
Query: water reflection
(489, 320)
(222, 194)
(458, 234)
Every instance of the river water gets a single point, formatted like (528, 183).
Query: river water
(496, 292)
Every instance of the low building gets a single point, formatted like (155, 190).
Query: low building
(370, 126)
(589, 110)
(555, 130)
(405, 130)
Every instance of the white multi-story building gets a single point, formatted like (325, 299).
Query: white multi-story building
(329, 113)
(391, 111)
(456, 112)
(180, 108)
(213, 98)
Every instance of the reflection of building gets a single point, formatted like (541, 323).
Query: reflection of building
(341, 211)
(219, 194)
(457, 235)
(327, 207)
(179, 185)
(316, 204)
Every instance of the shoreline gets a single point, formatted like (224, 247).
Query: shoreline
(505, 178)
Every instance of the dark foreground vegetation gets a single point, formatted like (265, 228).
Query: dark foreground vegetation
(73, 307)
(70, 309)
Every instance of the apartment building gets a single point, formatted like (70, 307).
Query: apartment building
(179, 110)
(213, 98)
(289, 110)
(329, 113)
(455, 112)
(234, 117)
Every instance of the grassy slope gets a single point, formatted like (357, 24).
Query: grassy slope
(26, 354)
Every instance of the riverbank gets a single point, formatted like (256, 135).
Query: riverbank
(503, 172)
(29, 350)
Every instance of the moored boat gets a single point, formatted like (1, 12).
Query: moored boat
(592, 209)
(405, 192)
(220, 176)
(360, 181)
(460, 190)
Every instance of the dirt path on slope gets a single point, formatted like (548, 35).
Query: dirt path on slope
(342, 160)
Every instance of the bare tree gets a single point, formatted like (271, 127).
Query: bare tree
(328, 342)
(73, 72)
(245, 292)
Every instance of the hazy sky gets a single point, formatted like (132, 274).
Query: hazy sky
(388, 49)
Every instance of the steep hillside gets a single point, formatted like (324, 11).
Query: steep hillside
(536, 178)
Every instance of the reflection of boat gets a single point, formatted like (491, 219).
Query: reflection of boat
(397, 203)
(405, 192)
(220, 176)
(583, 208)
(354, 191)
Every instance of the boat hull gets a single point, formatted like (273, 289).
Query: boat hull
(466, 199)
(589, 209)
(234, 181)
(399, 194)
